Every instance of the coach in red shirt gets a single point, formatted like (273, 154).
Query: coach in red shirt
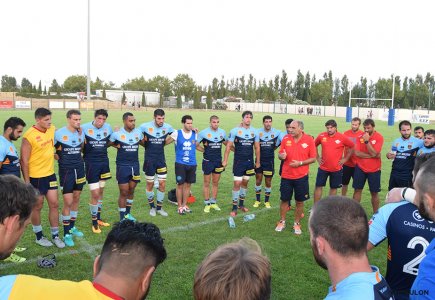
(352, 134)
(297, 151)
(368, 164)
(331, 160)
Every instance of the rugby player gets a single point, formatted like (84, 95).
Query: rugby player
(155, 133)
(127, 141)
(97, 134)
(37, 165)
(245, 140)
(352, 134)
(68, 142)
(212, 139)
(269, 141)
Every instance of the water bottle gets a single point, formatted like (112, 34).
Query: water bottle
(393, 151)
(249, 217)
(231, 222)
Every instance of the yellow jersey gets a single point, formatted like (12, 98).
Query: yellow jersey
(14, 287)
(41, 161)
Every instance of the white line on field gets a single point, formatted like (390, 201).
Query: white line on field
(93, 250)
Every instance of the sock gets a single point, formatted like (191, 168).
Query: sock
(54, 232)
(235, 199)
(242, 196)
(207, 202)
(121, 213)
(160, 197)
(66, 221)
(150, 198)
(94, 211)
(73, 214)
(258, 192)
(267, 191)
(100, 206)
(37, 229)
(213, 201)
(128, 206)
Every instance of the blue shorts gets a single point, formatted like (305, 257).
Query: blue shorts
(399, 180)
(374, 179)
(151, 167)
(44, 184)
(347, 174)
(185, 173)
(334, 178)
(125, 174)
(299, 186)
(243, 168)
(210, 166)
(71, 179)
(97, 171)
(267, 168)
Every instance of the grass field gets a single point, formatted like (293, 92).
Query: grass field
(295, 275)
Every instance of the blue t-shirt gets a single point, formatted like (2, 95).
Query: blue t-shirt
(128, 146)
(269, 140)
(361, 286)
(243, 139)
(424, 284)
(212, 141)
(9, 158)
(155, 139)
(96, 140)
(68, 147)
(425, 150)
(406, 151)
(185, 148)
(408, 237)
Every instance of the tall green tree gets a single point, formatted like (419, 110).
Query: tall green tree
(184, 85)
(26, 86)
(144, 100)
(9, 84)
(55, 87)
(39, 88)
(283, 86)
(75, 83)
(299, 86)
(209, 101)
(123, 99)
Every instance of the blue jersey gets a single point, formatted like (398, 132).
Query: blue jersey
(361, 286)
(425, 150)
(185, 148)
(96, 140)
(9, 158)
(424, 284)
(243, 139)
(128, 146)
(408, 236)
(269, 140)
(212, 141)
(406, 151)
(155, 139)
(68, 147)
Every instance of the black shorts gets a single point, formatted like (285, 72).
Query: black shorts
(71, 179)
(124, 174)
(44, 184)
(347, 174)
(334, 178)
(299, 186)
(185, 173)
(267, 168)
(399, 180)
(374, 179)
(97, 171)
(151, 167)
(243, 168)
(210, 166)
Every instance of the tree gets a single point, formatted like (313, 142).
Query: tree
(144, 100)
(9, 84)
(298, 90)
(104, 94)
(179, 104)
(45, 90)
(124, 99)
(183, 85)
(39, 88)
(54, 88)
(26, 85)
(283, 88)
(209, 100)
(98, 84)
(321, 92)
(75, 83)
(307, 86)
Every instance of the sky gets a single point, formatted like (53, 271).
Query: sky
(47, 39)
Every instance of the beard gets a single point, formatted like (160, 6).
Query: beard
(318, 258)
(422, 209)
(12, 137)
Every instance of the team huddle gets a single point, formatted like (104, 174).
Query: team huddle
(81, 151)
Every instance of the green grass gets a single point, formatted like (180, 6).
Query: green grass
(189, 238)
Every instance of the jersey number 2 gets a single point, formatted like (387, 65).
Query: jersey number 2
(411, 267)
